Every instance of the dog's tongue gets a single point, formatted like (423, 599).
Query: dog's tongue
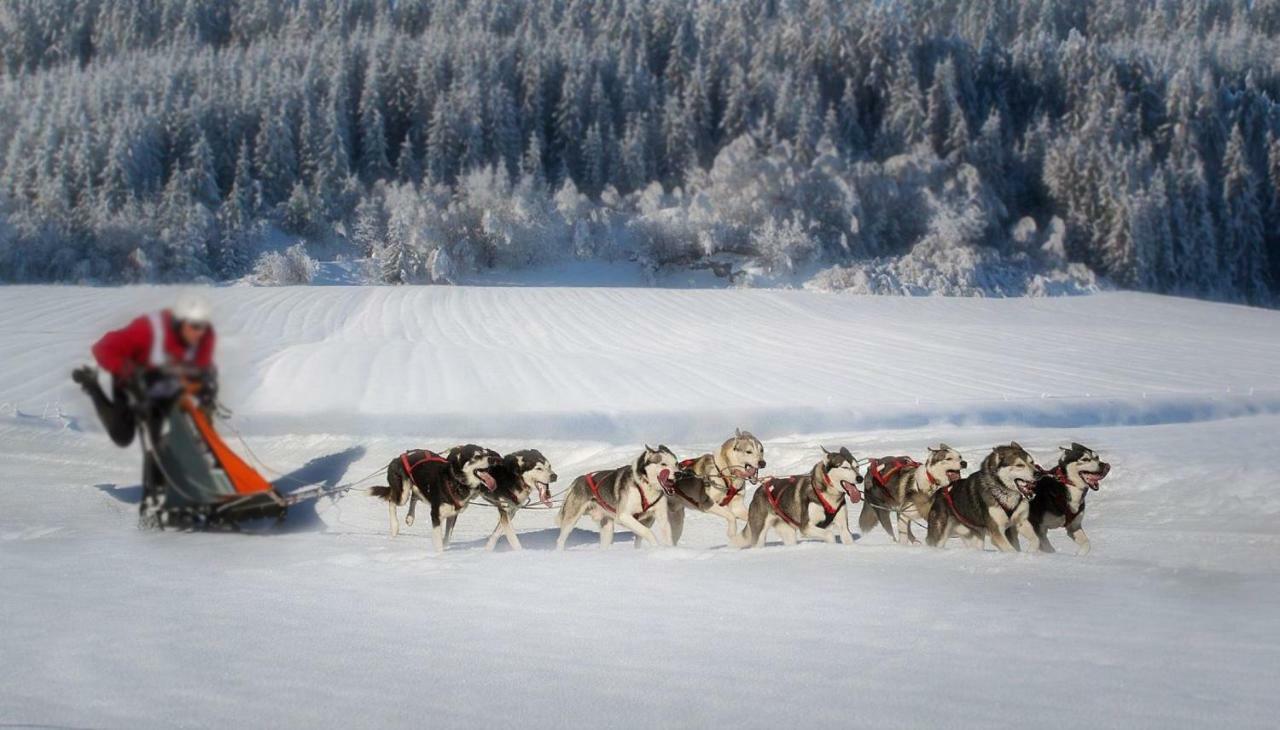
(544, 495)
(854, 495)
(664, 478)
(485, 477)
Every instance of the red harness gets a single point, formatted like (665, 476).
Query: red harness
(881, 479)
(826, 506)
(731, 490)
(427, 457)
(946, 494)
(645, 504)
(773, 502)
(1068, 514)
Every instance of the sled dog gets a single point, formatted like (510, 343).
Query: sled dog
(716, 484)
(783, 503)
(516, 476)
(991, 502)
(1060, 496)
(630, 496)
(902, 486)
(446, 483)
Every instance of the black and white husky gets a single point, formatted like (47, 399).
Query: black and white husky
(991, 502)
(630, 496)
(1060, 496)
(446, 483)
(516, 476)
(716, 484)
(784, 503)
(902, 486)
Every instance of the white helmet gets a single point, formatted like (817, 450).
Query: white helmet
(191, 307)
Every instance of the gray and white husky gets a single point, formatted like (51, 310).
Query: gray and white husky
(716, 484)
(991, 502)
(903, 487)
(446, 483)
(784, 504)
(630, 496)
(516, 476)
(1060, 497)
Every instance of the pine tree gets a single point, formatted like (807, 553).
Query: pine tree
(275, 156)
(203, 177)
(1243, 254)
(373, 133)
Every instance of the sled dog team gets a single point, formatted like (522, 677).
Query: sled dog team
(1008, 496)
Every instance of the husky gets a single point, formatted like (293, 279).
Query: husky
(716, 484)
(516, 476)
(991, 502)
(903, 486)
(630, 496)
(447, 483)
(784, 503)
(1060, 496)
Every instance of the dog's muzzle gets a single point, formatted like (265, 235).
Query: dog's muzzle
(1025, 486)
(1094, 478)
(666, 482)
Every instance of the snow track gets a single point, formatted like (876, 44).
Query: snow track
(1170, 622)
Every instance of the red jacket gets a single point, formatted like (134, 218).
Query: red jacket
(121, 352)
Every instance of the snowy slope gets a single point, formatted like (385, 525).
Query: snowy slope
(1170, 622)
(650, 364)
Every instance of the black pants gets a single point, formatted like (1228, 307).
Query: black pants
(114, 412)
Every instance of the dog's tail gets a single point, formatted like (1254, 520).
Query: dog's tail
(380, 492)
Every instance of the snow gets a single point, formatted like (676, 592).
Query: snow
(1171, 621)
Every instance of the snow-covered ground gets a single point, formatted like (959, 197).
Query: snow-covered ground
(1171, 621)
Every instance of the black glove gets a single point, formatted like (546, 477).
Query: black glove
(207, 391)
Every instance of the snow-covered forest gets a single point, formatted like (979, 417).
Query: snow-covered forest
(993, 147)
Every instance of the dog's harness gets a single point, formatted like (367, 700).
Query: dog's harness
(1068, 514)
(826, 506)
(946, 494)
(427, 458)
(731, 490)
(645, 504)
(897, 464)
(881, 478)
(773, 501)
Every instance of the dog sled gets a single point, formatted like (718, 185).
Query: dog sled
(191, 478)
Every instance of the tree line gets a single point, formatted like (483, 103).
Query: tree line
(998, 141)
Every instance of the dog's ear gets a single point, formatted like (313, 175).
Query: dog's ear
(944, 447)
(824, 449)
(1016, 445)
(737, 432)
(992, 462)
(1077, 447)
(456, 458)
